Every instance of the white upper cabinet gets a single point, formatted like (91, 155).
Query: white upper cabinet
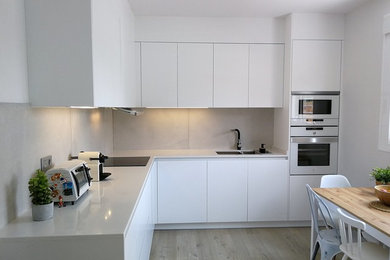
(159, 74)
(195, 75)
(266, 62)
(231, 75)
(82, 61)
(316, 65)
(212, 75)
(138, 86)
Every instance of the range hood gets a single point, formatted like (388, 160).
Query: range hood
(130, 111)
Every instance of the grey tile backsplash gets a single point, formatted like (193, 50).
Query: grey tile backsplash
(192, 129)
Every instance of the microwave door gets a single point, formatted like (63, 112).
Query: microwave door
(315, 106)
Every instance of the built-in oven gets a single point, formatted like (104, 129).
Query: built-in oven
(313, 155)
(316, 107)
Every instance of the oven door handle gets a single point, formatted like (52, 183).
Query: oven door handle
(314, 140)
(314, 128)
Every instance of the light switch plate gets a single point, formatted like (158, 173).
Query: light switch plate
(46, 163)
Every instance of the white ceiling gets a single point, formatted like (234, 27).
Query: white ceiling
(240, 8)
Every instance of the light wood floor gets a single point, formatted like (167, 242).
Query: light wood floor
(234, 244)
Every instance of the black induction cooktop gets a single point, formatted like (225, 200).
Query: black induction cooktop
(126, 161)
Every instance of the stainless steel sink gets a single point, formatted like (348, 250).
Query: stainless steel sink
(250, 152)
(237, 152)
(228, 152)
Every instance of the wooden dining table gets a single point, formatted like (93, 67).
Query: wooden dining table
(355, 201)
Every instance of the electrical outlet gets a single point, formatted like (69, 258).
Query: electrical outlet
(46, 163)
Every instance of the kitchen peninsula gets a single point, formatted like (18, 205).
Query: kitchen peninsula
(114, 220)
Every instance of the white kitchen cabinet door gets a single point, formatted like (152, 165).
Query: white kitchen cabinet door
(159, 74)
(268, 185)
(231, 75)
(195, 75)
(138, 239)
(182, 191)
(80, 61)
(138, 85)
(266, 70)
(316, 65)
(153, 174)
(107, 50)
(227, 190)
(299, 208)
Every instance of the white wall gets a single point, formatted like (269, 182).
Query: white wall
(317, 26)
(206, 29)
(361, 93)
(27, 134)
(282, 115)
(193, 129)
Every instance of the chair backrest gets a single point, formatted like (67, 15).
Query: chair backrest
(346, 225)
(322, 214)
(334, 181)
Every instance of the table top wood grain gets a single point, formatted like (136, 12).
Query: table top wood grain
(356, 201)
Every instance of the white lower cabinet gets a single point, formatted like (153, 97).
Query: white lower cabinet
(182, 191)
(299, 202)
(227, 190)
(222, 190)
(138, 238)
(268, 189)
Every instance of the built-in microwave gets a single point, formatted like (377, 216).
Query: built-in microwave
(308, 107)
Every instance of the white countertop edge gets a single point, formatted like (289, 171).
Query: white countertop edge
(65, 236)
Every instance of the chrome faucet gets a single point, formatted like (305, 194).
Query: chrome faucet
(238, 138)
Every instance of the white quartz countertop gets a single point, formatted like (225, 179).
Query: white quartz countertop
(173, 154)
(107, 208)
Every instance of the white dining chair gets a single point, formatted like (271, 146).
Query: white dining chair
(334, 181)
(339, 181)
(351, 242)
(328, 238)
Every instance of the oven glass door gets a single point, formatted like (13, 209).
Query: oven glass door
(315, 106)
(314, 155)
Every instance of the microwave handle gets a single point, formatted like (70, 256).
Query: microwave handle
(314, 120)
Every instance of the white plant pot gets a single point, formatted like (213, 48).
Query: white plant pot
(42, 212)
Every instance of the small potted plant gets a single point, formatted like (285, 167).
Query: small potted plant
(42, 202)
(381, 175)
